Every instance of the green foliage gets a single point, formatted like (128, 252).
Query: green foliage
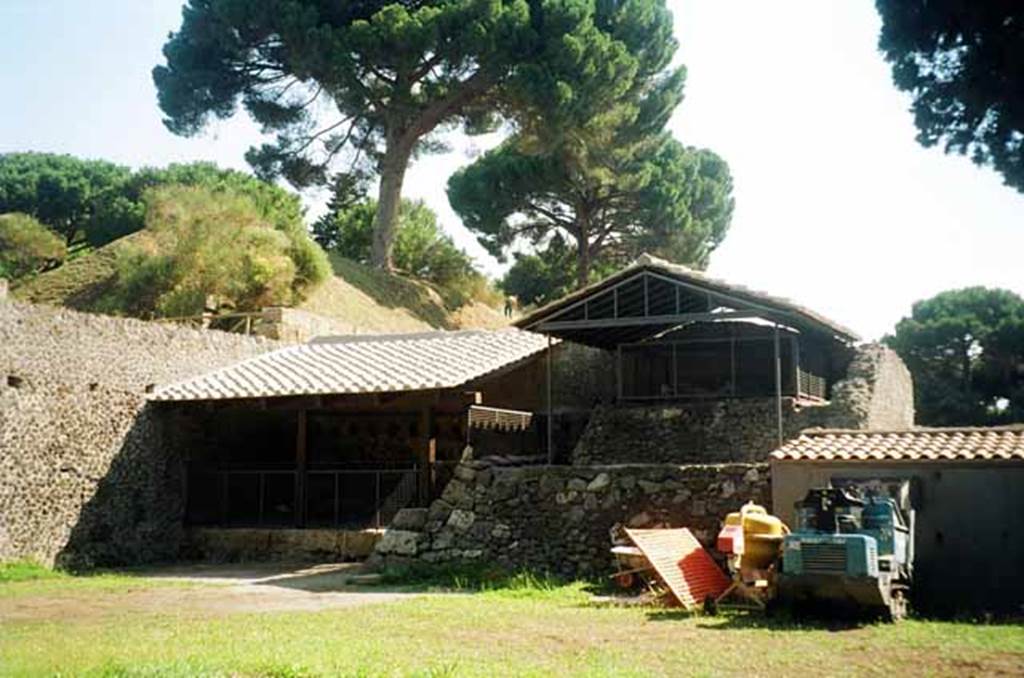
(92, 203)
(965, 350)
(963, 63)
(394, 73)
(27, 246)
(422, 249)
(201, 242)
(541, 277)
(74, 197)
(601, 170)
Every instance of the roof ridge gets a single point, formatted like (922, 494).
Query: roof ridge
(400, 336)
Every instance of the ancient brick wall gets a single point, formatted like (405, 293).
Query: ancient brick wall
(89, 472)
(560, 519)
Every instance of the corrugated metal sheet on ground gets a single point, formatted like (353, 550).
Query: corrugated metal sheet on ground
(682, 563)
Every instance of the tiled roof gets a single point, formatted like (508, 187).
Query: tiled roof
(1005, 443)
(363, 364)
(697, 278)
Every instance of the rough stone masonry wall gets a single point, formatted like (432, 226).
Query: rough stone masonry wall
(560, 519)
(88, 471)
(877, 393)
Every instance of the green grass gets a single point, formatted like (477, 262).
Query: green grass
(25, 579)
(522, 625)
(78, 284)
(26, 570)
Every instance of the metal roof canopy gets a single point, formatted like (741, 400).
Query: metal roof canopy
(651, 297)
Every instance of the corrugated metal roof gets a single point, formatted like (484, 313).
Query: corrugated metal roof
(682, 564)
(1000, 443)
(363, 364)
(697, 278)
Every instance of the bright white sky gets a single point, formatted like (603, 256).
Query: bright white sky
(837, 206)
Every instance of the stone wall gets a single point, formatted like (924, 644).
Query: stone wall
(88, 471)
(876, 393)
(561, 519)
(297, 326)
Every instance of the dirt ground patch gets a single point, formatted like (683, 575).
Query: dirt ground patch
(205, 591)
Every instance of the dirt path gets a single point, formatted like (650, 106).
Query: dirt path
(204, 591)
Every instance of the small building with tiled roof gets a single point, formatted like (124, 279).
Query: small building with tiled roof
(966, 488)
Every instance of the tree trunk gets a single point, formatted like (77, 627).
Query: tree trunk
(583, 254)
(389, 198)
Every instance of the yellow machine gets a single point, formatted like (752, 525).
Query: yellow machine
(752, 541)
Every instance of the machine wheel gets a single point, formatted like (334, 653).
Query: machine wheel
(626, 580)
(710, 606)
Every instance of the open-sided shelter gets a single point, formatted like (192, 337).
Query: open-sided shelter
(344, 431)
(678, 334)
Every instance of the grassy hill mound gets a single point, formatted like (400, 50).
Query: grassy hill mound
(365, 298)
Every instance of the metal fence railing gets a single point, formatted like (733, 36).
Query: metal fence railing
(350, 498)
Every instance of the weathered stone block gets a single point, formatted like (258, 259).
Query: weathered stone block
(461, 519)
(576, 484)
(465, 473)
(410, 519)
(400, 543)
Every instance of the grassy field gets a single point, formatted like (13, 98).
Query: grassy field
(525, 628)
(24, 579)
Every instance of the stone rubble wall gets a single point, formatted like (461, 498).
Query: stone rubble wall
(296, 326)
(89, 473)
(562, 519)
(877, 393)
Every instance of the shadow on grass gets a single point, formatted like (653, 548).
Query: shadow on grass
(476, 579)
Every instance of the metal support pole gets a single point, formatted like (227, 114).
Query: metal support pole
(551, 421)
(778, 384)
(675, 370)
(647, 303)
(618, 371)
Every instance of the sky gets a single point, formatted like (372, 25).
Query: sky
(837, 206)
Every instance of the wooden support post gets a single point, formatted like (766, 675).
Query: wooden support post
(300, 469)
(551, 420)
(426, 455)
(795, 347)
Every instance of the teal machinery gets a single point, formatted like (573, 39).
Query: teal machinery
(849, 551)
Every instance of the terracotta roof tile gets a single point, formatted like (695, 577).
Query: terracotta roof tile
(1005, 443)
(363, 364)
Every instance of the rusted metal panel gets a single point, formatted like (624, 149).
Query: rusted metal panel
(682, 563)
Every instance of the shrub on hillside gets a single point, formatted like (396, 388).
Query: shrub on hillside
(422, 249)
(201, 243)
(27, 246)
(89, 203)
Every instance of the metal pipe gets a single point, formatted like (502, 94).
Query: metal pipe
(778, 384)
